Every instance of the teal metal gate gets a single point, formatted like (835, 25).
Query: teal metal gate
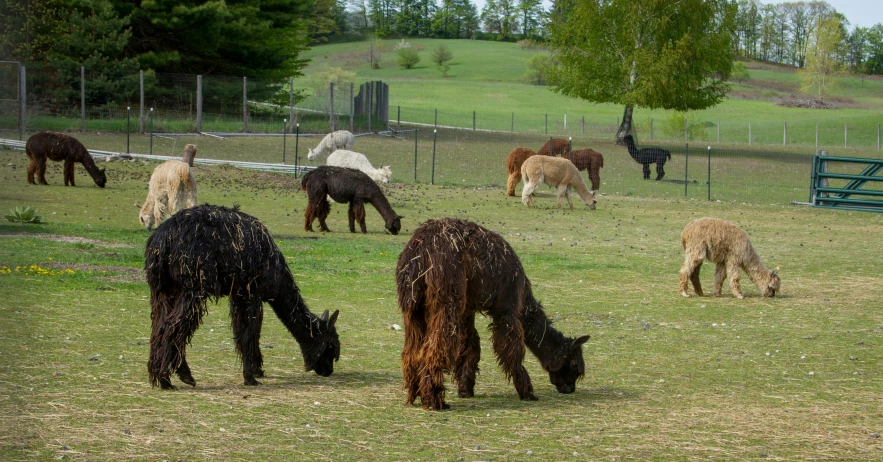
(866, 184)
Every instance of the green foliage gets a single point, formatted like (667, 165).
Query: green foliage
(408, 57)
(635, 52)
(740, 72)
(538, 69)
(673, 126)
(822, 59)
(440, 57)
(95, 38)
(24, 215)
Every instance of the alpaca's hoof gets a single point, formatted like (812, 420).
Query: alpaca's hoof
(251, 382)
(189, 381)
(165, 384)
(740, 296)
(685, 294)
(529, 397)
(259, 373)
(465, 393)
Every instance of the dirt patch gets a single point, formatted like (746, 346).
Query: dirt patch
(804, 103)
(67, 239)
(84, 267)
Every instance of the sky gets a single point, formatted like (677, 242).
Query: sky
(864, 13)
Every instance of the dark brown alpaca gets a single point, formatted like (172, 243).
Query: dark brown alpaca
(450, 270)
(590, 161)
(208, 252)
(513, 165)
(555, 147)
(345, 185)
(59, 147)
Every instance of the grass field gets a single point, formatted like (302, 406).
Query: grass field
(793, 377)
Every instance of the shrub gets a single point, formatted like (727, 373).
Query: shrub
(24, 215)
(740, 71)
(408, 57)
(673, 126)
(440, 56)
(538, 68)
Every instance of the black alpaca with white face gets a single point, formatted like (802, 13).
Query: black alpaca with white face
(647, 156)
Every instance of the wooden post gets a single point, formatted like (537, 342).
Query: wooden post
(82, 98)
(198, 103)
(718, 135)
(784, 133)
(584, 126)
(432, 178)
(331, 89)
(651, 129)
(845, 135)
(352, 106)
(513, 123)
(23, 101)
(141, 107)
(749, 133)
(290, 103)
(817, 136)
(245, 104)
(547, 124)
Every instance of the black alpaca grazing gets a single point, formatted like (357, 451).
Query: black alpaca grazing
(208, 252)
(647, 156)
(58, 147)
(449, 271)
(345, 185)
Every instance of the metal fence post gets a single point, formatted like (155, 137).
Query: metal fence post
(436, 118)
(513, 123)
(352, 106)
(399, 116)
(845, 135)
(432, 178)
(878, 136)
(651, 129)
(296, 142)
(331, 88)
(198, 103)
(709, 172)
(749, 133)
(245, 104)
(547, 124)
(82, 99)
(150, 124)
(718, 131)
(686, 139)
(784, 133)
(141, 106)
(686, 165)
(570, 148)
(415, 154)
(473, 120)
(284, 130)
(128, 118)
(584, 126)
(817, 136)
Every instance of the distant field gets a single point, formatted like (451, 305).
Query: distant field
(485, 78)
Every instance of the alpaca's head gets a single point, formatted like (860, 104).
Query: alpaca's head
(100, 178)
(145, 215)
(394, 225)
(385, 173)
(568, 366)
(323, 349)
(312, 154)
(773, 283)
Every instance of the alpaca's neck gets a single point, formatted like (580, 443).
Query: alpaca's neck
(89, 164)
(291, 309)
(757, 272)
(382, 205)
(539, 336)
(583, 191)
(633, 150)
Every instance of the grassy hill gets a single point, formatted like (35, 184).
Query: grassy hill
(485, 77)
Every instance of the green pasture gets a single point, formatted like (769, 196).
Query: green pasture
(793, 377)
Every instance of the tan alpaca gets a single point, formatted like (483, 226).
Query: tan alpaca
(514, 162)
(726, 245)
(172, 189)
(556, 172)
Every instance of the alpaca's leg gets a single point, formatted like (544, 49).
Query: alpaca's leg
(694, 279)
(175, 316)
(646, 171)
(415, 334)
(309, 217)
(246, 315)
(595, 176)
(323, 209)
(527, 193)
(435, 353)
(569, 199)
(720, 273)
(357, 213)
(733, 273)
(32, 168)
(660, 170)
(513, 181)
(41, 170)
(691, 264)
(69, 172)
(469, 346)
(508, 342)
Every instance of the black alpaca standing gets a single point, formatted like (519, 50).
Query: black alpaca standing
(208, 252)
(345, 185)
(647, 156)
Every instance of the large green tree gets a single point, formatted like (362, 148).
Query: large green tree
(644, 53)
(226, 37)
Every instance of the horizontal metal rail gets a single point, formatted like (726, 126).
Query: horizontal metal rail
(846, 176)
(858, 192)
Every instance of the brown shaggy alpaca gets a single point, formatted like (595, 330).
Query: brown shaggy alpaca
(590, 161)
(558, 173)
(513, 165)
(451, 270)
(59, 147)
(723, 243)
(559, 146)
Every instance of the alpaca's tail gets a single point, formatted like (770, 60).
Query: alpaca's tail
(668, 154)
(304, 182)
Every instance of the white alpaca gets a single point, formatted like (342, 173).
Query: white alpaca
(358, 161)
(556, 172)
(172, 188)
(340, 139)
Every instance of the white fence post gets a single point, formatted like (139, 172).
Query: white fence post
(198, 103)
(141, 106)
(245, 104)
(23, 101)
(82, 98)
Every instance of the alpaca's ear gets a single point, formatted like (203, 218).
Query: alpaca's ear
(137, 206)
(103, 169)
(333, 318)
(579, 342)
(324, 316)
(775, 271)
